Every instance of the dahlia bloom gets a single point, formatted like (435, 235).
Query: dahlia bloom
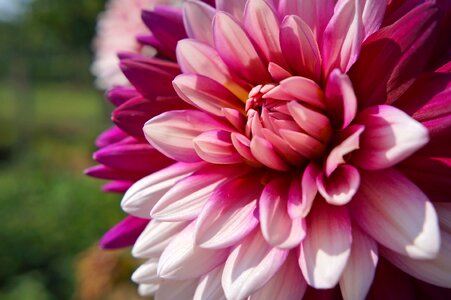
(291, 144)
(117, 30)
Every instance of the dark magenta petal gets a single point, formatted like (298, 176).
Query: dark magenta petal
(104, 172)
(392, 57)
(123, 234)
(166, 24)
(117, 186)
(110, 136)
(118, 95)
(138, 72)
(135, 157)
(132, 115)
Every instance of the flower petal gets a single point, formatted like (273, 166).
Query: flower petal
(278, 229)
(250, 265)
(185, 199)
(209, 287)
(182, 259)
(396, 213)
(390, 136)
(197, 18)
(359, 273)
(325, 250)
(176, 289)
(300, 48)
(340, 186)
(265, 153)
(124, 233)
(237, 51)
(142, 196)
(233, 7)
(172, 133)
(147, 272)
(287, 284)
(154, 239)
(229, 214)
(215, 146)
(341, 101)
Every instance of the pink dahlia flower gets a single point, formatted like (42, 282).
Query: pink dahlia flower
(117, 30)
(301, 143)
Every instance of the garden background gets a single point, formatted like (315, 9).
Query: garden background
(50, 113)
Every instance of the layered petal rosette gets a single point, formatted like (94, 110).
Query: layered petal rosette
(301, 144)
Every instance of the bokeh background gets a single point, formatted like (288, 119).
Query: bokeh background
(50, 113)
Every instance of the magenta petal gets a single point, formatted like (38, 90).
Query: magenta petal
(172, 132)
(110, 136)
(265, 153)
(104, 172)
(391, 58)
(340, 186)
(237, 51)
(389, 137)
(233, 7)
(124, 233)
(117, 186)
(118, 95)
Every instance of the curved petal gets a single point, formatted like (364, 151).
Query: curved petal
(209, 287)
(197, 18)
(215, 146)
(233, 7)
(358, 275)
(300, 48)
(250, 265)
(237, 51)
(287, 284)
(303, 191)
(396, 213)
(182, 259)
(124, 233)
(340, 186)
(147, 272)
(278, 229)
(325, 250)
(265, 153)
(176, 289)
(172, 132)
(229, 214)
(142, 196)
(390, 136)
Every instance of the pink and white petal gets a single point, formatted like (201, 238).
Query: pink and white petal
(183, 259)
(243, 146)
(303, 143)
(197, 58)
(229, 215)
(235, 117)
(185, 199)
(147, 290)
(206, 94)
(147, 272)
(215, 146)
(314, 123)
(341, 101)
(262, 24)
(154, 239)
(315, 13)
(209, 287)
(197, 18)
(436, 271)
(250, 265)
(233, 7)
(277, 72)
(172, 132)
(298, 88)
(176, 289)
(340, 186)
(350, 141)
(142, 196)
(282, 147)
(325, 250)
(299, 48)
(237, 51)
(389, 137)
(265, 153)
(397, 214)
(303, 191)
(358, 275)
(278, 229)
(287, 284)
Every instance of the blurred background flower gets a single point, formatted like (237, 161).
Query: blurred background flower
(50, 113)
